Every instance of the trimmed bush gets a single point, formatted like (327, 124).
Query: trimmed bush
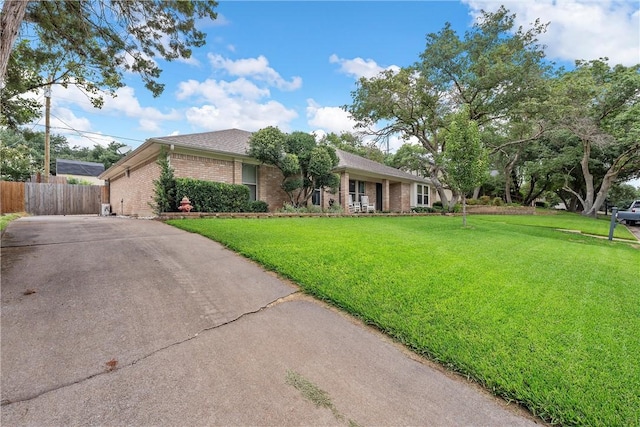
(497, 201)
(257, 206)
(208, 196)
(422, 209)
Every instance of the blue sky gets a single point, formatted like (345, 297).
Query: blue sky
(293, 64)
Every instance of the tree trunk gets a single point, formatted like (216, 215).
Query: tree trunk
(508, 171)
(588, 179)
(433, 175)
(13, 12)
(464, 210)
(476, 192)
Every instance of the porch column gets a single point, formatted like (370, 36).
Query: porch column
(385, 195)
(237, 171)
(344, 191)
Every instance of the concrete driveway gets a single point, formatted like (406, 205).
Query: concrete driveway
(114, 321)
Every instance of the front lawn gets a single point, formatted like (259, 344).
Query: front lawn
(543, 317)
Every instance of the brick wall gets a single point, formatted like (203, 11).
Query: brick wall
(269, 190)
(208, 169)
(131, 195)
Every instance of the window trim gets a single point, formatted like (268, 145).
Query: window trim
(423, 190)
(251, 184)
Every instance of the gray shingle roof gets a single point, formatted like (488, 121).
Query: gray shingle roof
(233, 141)
(354, 162)
(236, 141)
(76, 167)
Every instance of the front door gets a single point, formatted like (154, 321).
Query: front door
(378, 197)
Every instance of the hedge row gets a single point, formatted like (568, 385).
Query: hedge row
(208, 196)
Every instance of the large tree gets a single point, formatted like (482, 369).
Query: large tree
(494, 70)
(598, 115)
(91, 43)
(305, 164)
(352, 143)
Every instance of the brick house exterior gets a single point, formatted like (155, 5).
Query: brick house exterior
(221, 156)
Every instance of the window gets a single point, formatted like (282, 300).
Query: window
(250, 179)
(315, 197)
(356, 185)
(422, 195)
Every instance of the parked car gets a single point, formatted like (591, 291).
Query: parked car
(631, 215)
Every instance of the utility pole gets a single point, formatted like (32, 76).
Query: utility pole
(47, 110)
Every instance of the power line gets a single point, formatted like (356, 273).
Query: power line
(93, 133)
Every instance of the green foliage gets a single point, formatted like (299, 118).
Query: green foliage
(305, 165)
(423, 209)
(15, 160)
(495, 71)
(93, 44)
(5, 219)
(77, 181)
(209, 196)
(353, 143)
(465, 159)
(410, 158)
(596, 112)
(508, 310)
(257, 206)
(623, 194)
(23, 153)
(165, 187)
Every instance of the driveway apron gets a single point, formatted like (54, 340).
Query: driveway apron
(117, 321)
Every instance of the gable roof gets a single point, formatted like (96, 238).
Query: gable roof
(232, 141)
(236, 142)
(350, 161)
(76, 167)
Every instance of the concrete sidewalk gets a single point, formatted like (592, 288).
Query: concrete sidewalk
(114, 321)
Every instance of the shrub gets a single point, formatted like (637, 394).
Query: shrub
(497, 201)
(335, 208)
(422, 209)
(472, 202)
(314, 209)
(542, 205)
(164, 199)
(208, 196)
(484, 200)
(257, 206)
(437, 205)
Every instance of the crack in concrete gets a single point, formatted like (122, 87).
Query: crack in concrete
(294, 295)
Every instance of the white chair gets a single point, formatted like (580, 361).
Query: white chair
(365, 204)
(353, 206)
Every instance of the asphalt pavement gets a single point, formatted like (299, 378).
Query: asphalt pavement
(114, 321)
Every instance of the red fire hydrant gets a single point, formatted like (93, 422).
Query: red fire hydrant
(185, 205)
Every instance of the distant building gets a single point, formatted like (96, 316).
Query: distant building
(82, 171)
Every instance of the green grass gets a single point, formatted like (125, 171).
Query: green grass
(5, 219)
(546, 318)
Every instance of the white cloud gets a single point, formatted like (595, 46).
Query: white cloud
(255, 68)
(125, 103)
(77, 130)
(579, 29)
(358, 67)
(329, 119)
(240, 114)
(244, 102)
(214, 90)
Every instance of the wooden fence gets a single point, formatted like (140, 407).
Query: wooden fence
(52, 199)
(11, 197)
